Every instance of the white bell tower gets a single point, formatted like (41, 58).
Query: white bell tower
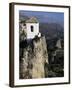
(32, 27)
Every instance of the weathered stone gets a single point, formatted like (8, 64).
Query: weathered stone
(33, 60)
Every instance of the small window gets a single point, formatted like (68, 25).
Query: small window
(24, 24)
(32, 29)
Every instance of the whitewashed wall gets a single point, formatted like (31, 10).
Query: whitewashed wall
(30, 34)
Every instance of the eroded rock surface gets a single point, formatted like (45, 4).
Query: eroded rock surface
(33, 59)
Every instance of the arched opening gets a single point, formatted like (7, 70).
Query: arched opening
(32, 28)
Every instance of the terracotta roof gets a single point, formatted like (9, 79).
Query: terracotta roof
(32, 20)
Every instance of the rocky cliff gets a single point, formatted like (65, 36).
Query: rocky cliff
(33, 58)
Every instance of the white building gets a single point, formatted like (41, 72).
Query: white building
(31, 27)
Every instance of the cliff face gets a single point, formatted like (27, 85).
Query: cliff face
(33, 59)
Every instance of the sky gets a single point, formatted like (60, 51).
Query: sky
(45, 17)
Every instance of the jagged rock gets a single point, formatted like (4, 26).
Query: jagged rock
(32, 62)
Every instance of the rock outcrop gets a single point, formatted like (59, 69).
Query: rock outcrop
(33, 59)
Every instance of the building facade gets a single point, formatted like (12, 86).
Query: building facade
(31, 28)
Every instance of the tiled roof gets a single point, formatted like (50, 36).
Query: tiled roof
(32, 20)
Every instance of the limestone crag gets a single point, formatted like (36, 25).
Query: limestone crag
(33, 59)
